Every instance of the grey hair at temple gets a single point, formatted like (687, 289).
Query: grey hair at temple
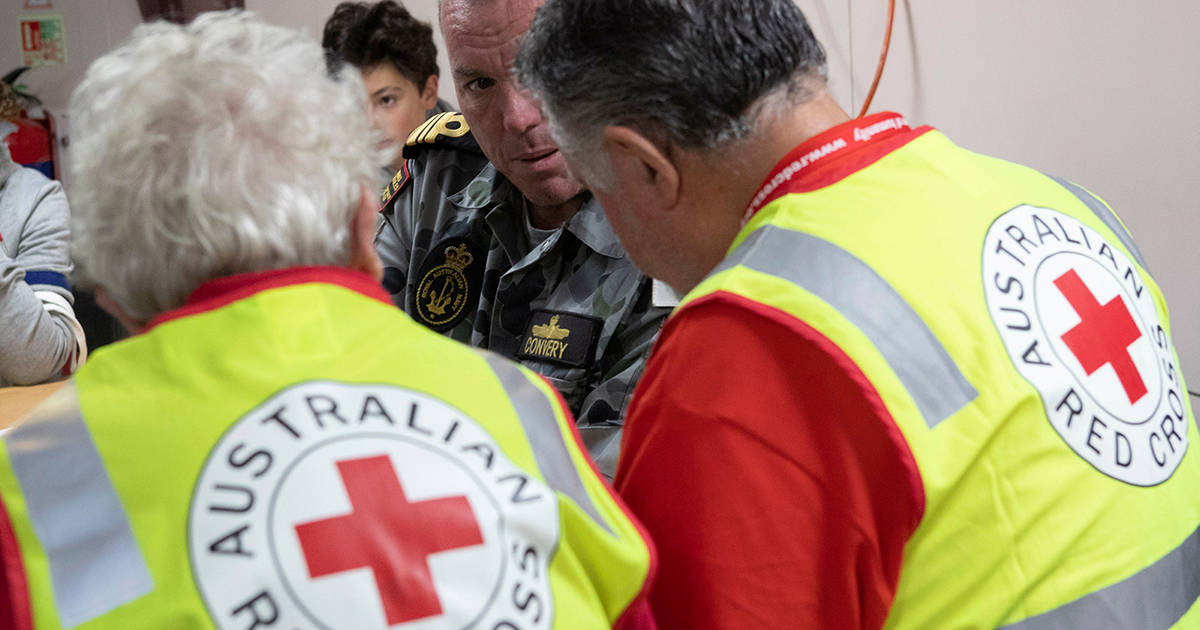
(695, 73)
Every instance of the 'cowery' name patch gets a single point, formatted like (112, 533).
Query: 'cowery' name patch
(338, 506)
(1082, 327)
(560, 337)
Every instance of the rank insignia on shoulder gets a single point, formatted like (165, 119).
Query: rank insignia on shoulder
(403, 176)
(449, 284)
(558, 337)
(446, 130)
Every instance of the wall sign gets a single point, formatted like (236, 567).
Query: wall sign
(43, 40)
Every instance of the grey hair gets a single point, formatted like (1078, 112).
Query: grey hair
(699, 74)
(213, 149)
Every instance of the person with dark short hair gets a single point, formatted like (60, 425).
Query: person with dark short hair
(398, 60)
(909, 386)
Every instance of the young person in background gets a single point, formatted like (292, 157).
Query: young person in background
(398, 60)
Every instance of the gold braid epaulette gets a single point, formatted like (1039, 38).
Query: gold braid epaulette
(448, 124)
(449, 128)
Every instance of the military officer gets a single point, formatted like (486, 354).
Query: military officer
(489, 239)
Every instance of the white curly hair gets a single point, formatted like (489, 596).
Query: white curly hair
(212, 149)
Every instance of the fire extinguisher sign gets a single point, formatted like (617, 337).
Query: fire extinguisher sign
(43, 40)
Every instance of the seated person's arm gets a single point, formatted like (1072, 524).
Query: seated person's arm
(40, 339)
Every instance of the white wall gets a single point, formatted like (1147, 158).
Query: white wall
(1103, 93)
(92, 28)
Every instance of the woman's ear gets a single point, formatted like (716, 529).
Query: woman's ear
(362, 236)
(647, 175)
(109, 305)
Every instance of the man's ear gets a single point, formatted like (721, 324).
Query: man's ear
(106, 302)
(429, 92)
(362, 236)
(648, 176)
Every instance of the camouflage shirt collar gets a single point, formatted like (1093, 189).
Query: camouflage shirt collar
(589, 225)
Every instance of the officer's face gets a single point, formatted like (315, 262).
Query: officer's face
(396, 105)
(482, 39)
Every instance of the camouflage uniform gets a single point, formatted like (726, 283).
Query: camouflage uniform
(574, 309)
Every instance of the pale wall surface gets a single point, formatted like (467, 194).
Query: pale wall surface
(92, 28)
(1105, 94)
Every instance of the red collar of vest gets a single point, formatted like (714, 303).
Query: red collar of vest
(222, 291)
(833, 155)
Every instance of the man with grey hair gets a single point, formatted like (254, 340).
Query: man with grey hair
(543, 279)
(257, 456)
(908, 385)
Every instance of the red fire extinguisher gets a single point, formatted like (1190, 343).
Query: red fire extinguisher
(30, 140)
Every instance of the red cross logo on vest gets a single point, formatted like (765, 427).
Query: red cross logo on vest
(1080, 322)
(350, 506)
(1104, 335)
(391, 536)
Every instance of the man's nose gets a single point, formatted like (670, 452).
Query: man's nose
(374, 117)
(522, 111)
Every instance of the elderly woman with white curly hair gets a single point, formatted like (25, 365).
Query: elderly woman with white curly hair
(278, 446)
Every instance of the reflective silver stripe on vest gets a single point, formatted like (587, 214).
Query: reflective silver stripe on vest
(95, 562)
(1154, 598)
(1107, 217)
(871, 304)
(545, 438)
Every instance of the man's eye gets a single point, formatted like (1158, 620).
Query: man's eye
(387, 101)
(480, 84)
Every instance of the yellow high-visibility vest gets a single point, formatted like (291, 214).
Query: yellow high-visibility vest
(294, 452)
(1010, 327)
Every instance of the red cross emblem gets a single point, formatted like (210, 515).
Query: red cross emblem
(391, 536)
(1104, 335)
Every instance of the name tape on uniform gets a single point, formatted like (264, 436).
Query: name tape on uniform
(559, 337)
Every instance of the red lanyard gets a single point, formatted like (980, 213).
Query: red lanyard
(821, 148)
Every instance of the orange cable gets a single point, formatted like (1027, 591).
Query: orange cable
(887, 43)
